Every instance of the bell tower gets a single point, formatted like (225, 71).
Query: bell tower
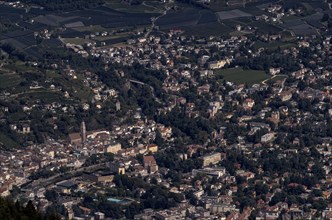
(83, 132)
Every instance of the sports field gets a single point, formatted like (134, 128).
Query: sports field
(238, 75)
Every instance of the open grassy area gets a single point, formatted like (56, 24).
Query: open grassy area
(276, 78)
(237, 75)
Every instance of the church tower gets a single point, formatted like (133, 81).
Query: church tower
(83, 132)
(118, 106)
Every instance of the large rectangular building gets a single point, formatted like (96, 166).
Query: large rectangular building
(113, 148)
(211, 159)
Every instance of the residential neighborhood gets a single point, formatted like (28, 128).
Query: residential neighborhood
(171, 125)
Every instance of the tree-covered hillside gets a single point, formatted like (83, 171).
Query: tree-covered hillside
(15, 211)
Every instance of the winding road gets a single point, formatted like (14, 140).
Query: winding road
(154, 19)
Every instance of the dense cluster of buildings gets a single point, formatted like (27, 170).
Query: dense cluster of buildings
(274, 117)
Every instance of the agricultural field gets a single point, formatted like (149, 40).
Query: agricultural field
(77, 41)
(103, 16)
(11, 14)
(75, 87)
(9, 80)
(308, 5)
(41, 94)
(206, 30)
(262, 26)
(304, 25)
(53, 20)
(218, 5)
(292, 21)
(236, 13)
(266, 27)
(109, 40)
(207, 17)
(303, 29)
(18, 67)
(124, 35)
(175, 19)
(18, 84)
(145, 7)
(109, 18)
(92, 28)
(253, 10)
(18, 38)
(223, 5)
(193, 20)
(315, 20)
(238, 76)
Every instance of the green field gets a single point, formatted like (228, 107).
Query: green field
(238, 76)
(276, 78)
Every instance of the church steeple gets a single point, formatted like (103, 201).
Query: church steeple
(83, 132)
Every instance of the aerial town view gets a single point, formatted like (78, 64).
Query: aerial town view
(165, 109)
